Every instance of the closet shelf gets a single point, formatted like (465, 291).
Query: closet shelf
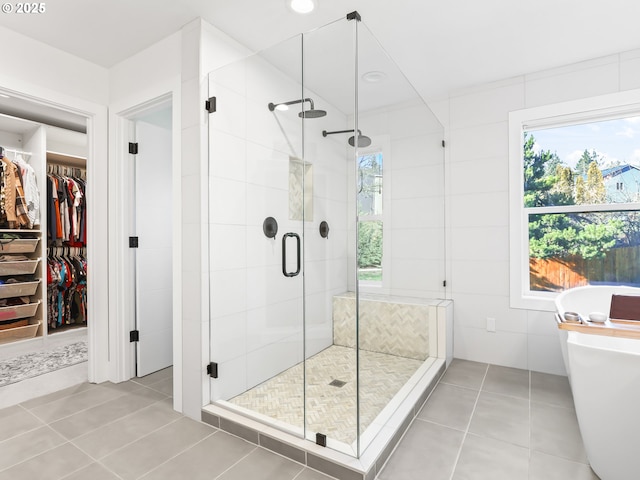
(20, 230)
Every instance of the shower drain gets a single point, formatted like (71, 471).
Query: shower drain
(338, 383)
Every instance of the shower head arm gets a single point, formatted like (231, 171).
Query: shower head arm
(325, 133)
(272, 106)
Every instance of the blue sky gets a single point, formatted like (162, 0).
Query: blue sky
(616, 140)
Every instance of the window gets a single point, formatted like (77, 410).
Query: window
(370, 223)
(575, 197)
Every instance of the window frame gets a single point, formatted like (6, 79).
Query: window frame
(380, 143)
(555, 115)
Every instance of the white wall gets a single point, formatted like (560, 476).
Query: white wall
(135, 85)
(43, 74)
(204, 48)
(155, 68)
(30, 65)
(476, 121)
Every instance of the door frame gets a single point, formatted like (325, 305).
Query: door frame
(122, 306)
(96, 116)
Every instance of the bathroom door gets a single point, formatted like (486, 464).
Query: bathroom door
(256, 241)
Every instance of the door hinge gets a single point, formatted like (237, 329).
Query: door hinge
(133, 242)
(212, 370)
(444, 283)
(134, 336)
(210, 105)
(443, 143)
(133, 148)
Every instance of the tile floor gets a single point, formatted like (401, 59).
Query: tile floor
(481, 422)
(490, 422)
(331, 410)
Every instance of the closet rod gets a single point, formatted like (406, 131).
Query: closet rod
(17, 152)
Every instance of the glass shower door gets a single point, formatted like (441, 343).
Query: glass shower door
(331, 380)
(257, 179)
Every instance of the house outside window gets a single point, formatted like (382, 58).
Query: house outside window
(575, 197)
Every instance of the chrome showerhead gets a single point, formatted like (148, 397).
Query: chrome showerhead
(311, 113)
(363, 140)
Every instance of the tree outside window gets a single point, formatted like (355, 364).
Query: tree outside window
(370, 224)
(583, 228)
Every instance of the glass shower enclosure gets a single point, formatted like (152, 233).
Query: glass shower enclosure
(326, 235)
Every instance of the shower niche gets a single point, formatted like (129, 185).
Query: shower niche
(324, 129)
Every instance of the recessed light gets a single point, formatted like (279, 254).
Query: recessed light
(301, 6)
(374, 76)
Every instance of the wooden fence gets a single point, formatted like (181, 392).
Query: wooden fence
(620, 265)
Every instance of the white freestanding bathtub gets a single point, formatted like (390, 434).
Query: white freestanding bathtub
(585, 300)
(605, 380)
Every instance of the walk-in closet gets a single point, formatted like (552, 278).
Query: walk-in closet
(43, 267)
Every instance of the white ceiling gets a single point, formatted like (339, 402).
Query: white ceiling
(440, 45)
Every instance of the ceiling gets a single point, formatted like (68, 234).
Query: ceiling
(439, 45)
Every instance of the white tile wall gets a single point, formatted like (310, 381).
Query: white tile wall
(630, 70)
(228, 244)
(584, 80)
(233, 150)
(480, 209)
(476, 121)
(475, 243)
(250, 153)
(229, 336)
(500, 348)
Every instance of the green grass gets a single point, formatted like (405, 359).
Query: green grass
(370, 275)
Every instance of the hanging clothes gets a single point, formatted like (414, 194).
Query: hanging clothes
(18, 209)
(31, 191)
(66, 289)
(66, 234)
(67, 212)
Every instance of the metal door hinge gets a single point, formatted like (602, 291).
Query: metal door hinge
(134, 336)
(133, 242)
(444, 283)
(133, 148)
(212, 370)
(443, 144)
(210, 105)
(354, 16)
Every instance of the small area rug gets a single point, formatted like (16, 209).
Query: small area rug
(30, 365)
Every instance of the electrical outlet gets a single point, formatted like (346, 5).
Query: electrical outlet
(491, 324)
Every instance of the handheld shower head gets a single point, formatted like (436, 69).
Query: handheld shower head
(363, 140)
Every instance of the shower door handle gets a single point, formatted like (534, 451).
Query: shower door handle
(284, 254)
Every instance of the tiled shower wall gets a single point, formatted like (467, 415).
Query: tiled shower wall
(413, 166)
(385, 326)
(257, 312)
(407, 327)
